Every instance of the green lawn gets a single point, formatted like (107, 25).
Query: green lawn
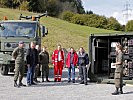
(60, 31)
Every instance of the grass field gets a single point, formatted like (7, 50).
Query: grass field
(60, 31)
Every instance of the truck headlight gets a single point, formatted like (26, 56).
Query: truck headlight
(11, 45)
(8, 45)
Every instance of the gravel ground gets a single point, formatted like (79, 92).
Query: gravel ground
(60, 90)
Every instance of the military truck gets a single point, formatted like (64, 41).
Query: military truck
(102, 54)
(27, 29)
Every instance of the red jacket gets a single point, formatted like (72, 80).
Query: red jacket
(55, 57)
(75, 59)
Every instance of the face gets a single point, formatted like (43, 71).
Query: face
(117, 49)
(59, 47)
(21, 45)
(32, 45)
(37, 47)
(81, 50)
(44, 49)
(72, 50)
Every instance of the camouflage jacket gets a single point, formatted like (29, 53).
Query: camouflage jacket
(18, 55)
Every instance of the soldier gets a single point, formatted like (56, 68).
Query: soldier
(44, 61)
(119, 70)
(38, 66)
(18, 55)
(83, 61)
(58, 62)
(32, 61)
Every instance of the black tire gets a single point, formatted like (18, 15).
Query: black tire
(4, 70)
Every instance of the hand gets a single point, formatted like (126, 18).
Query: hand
(28, 65)
(86, 66)
(37, 66)
(66, 66)
(113, 64)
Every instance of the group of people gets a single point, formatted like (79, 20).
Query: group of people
(39, 59)
(35, 60)
(73, 59)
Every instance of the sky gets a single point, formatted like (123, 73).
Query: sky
(110, 8)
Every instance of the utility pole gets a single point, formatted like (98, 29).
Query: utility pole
(127, 12)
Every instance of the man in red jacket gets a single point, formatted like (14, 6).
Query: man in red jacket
(71, 61)
(58, 62)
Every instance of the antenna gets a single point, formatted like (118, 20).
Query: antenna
(127, 11)
(36, 17)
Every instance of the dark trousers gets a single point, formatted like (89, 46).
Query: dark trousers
(73, 72)
(37, 68)
(45, 70)
(30, 74)
(83, 73)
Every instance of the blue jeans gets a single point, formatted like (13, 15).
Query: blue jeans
(30, 74)
(73, 72)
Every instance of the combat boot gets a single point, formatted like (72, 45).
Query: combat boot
(47, 80)
(121, 91)
(86, 83)
(116, 92)
(21, 84)
(42, 79)
(73, 80)
(82, 82)
(15, 84)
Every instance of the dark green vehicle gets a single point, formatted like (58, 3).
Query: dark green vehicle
(13, 31)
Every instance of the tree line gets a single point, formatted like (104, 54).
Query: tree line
(93, 20)
(54, 7)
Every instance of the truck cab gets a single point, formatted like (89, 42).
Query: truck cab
(13, 31)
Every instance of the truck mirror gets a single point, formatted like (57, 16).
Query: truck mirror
(44, 31)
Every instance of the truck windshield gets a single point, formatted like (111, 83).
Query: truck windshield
(18, 29)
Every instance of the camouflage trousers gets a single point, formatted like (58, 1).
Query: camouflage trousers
(19, 72)
(118, 79)
(44, 70)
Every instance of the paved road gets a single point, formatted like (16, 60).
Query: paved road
(60, 91)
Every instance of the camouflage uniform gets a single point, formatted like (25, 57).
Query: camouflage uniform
(18, 55)
(119, 71)
(44, 61)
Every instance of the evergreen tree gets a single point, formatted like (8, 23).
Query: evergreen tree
(33, 5)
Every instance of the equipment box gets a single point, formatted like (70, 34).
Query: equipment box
(102, 54)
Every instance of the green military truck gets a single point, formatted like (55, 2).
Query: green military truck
(26, 29)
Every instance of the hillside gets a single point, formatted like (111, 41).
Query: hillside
(60, 31)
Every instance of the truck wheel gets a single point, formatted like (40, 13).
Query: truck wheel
(4, 70)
